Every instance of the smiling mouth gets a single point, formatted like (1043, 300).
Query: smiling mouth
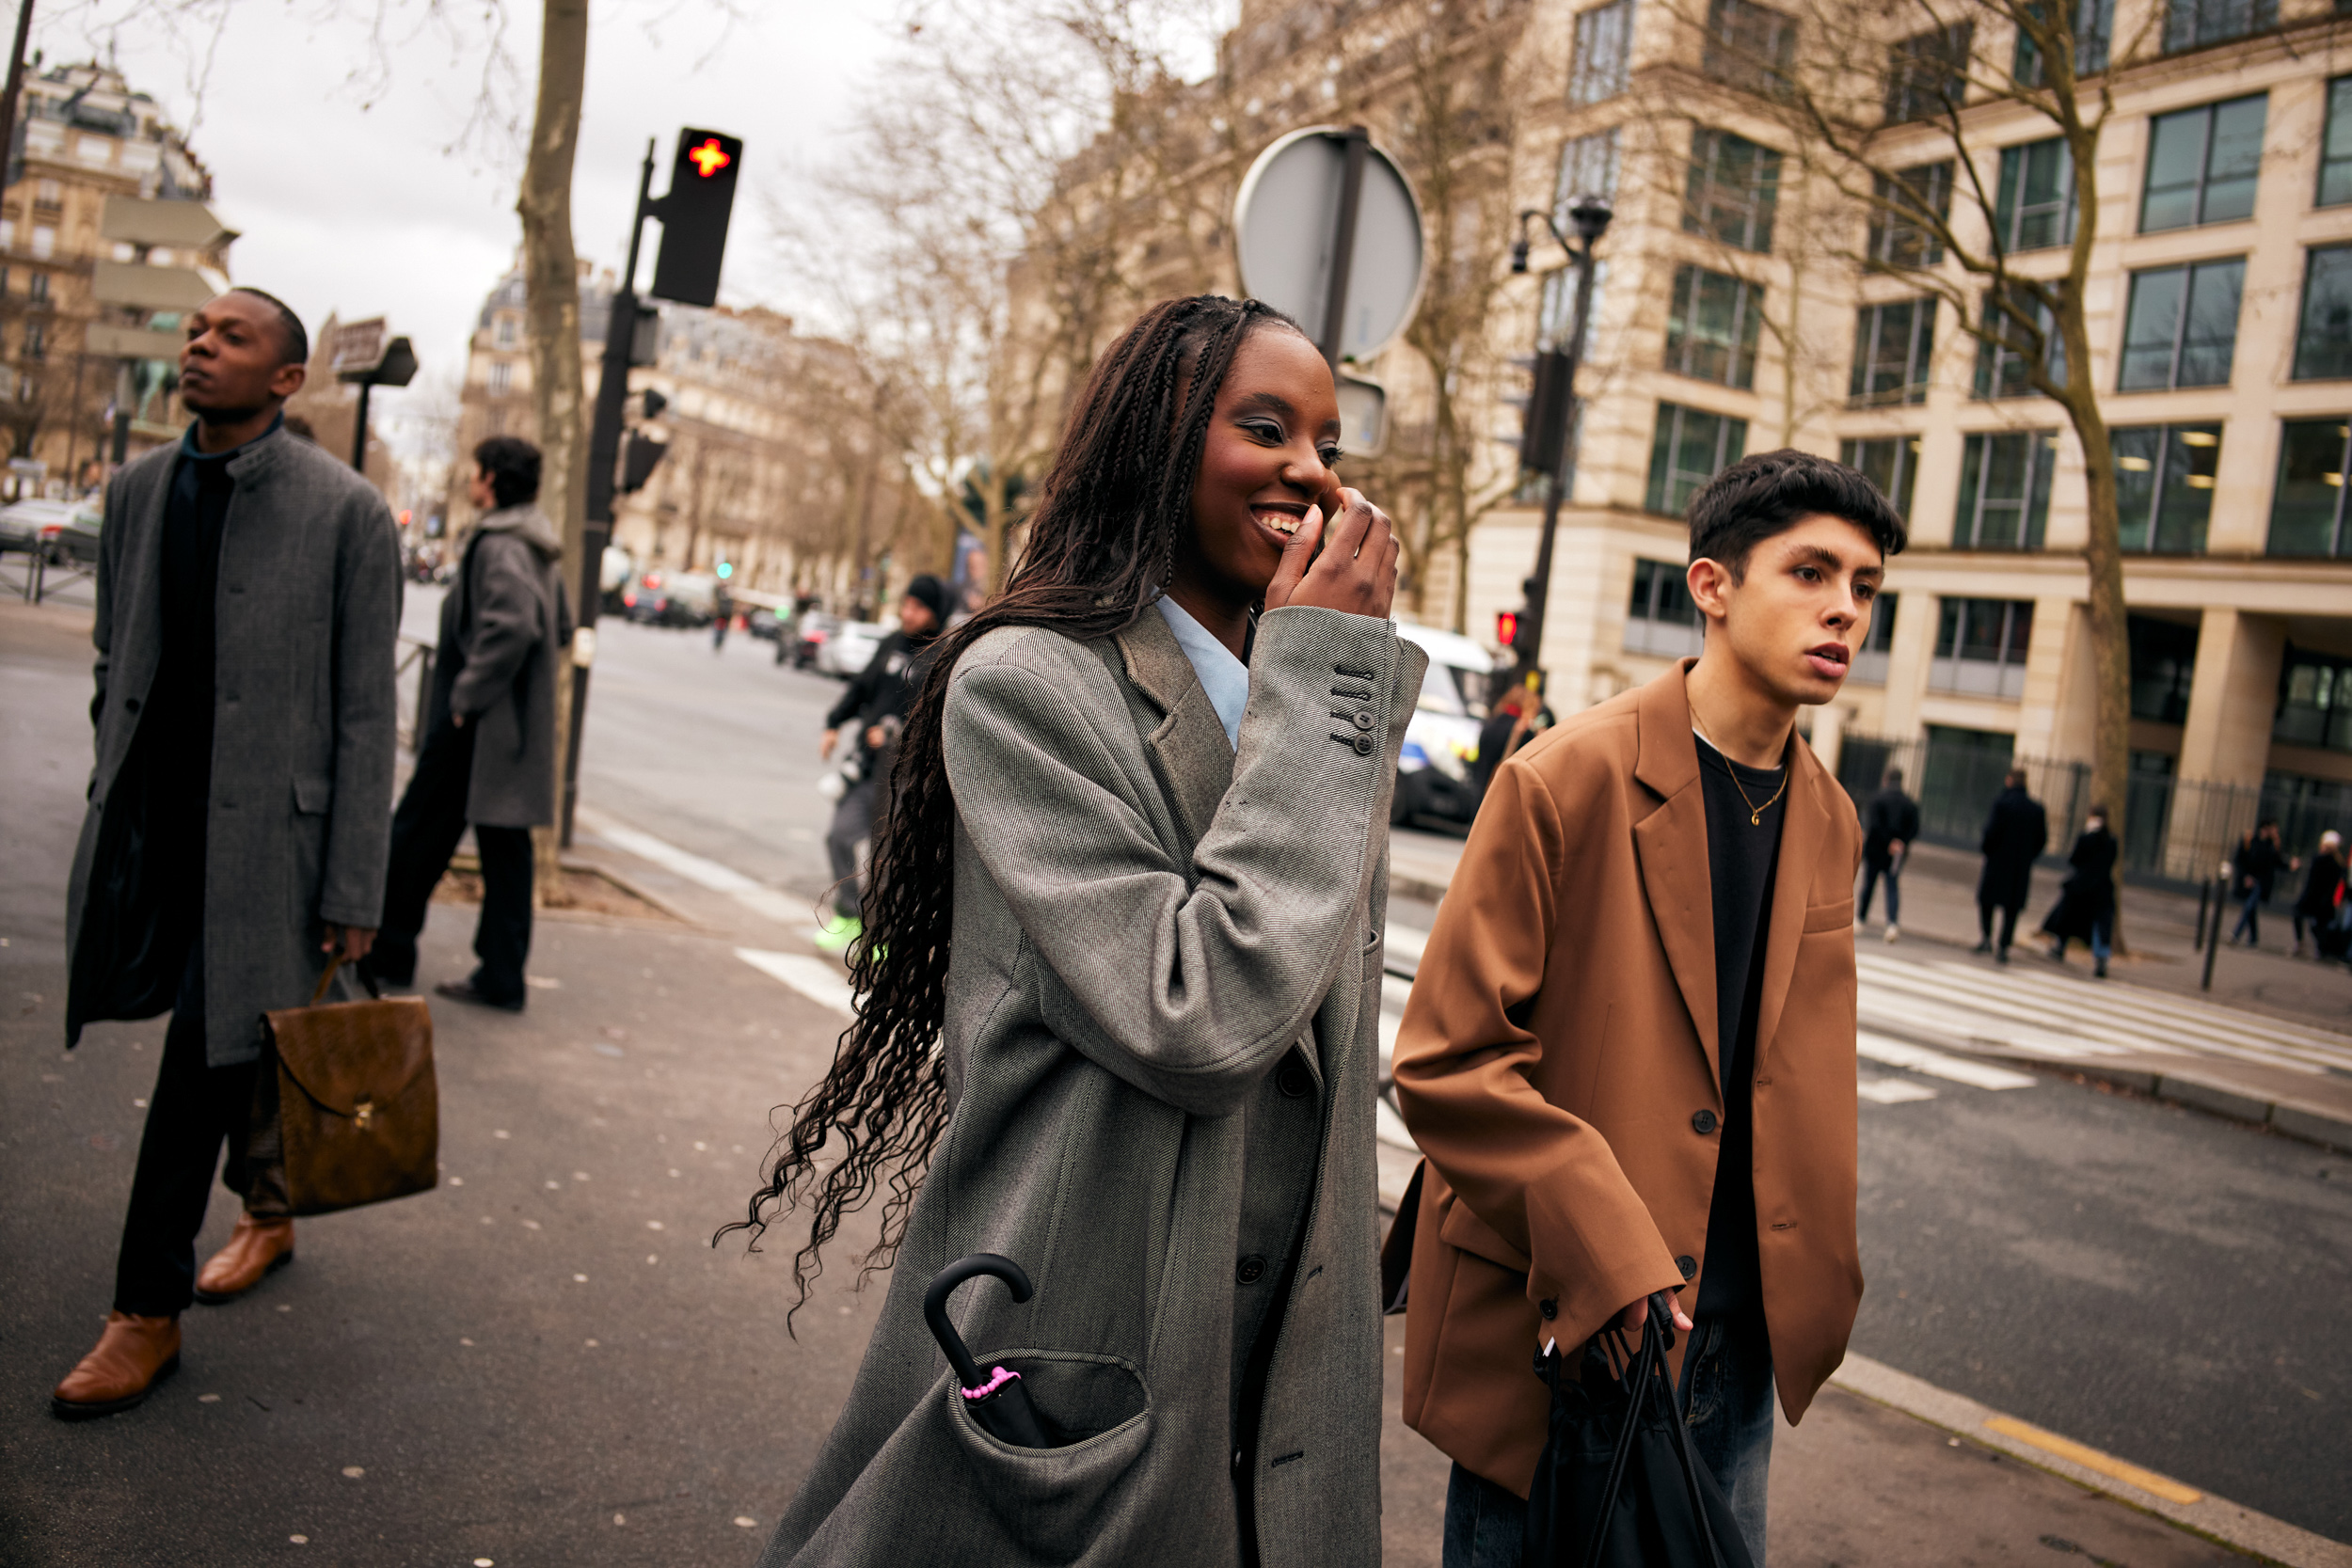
(1284, 517)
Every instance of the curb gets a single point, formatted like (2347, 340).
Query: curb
(2217, 1519)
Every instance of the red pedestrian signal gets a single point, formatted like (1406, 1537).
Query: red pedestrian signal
(1506, 627)
(694, 216)
(709, 158)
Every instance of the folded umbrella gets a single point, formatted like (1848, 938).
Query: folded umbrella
(995, 1398)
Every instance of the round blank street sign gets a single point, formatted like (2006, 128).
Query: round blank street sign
(1287, 216)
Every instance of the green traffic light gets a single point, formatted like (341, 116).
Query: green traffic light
(726, 570)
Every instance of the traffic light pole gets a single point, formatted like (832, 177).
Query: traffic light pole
(604, 446)
(1529, 642)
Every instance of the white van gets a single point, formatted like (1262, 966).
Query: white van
(1433, 773)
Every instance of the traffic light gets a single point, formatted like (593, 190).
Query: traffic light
(726, 570)
(694, 216)
(639, 457)
(1506, 628)
(655, 403)
(645, 343)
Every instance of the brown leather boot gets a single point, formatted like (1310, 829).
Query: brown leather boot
(255, 1248)
(133, 1355)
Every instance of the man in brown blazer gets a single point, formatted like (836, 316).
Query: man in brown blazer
(1630, 1053)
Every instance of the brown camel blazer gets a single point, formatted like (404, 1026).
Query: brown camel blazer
(1560, 1043)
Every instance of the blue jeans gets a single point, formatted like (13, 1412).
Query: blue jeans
(1870, 875)
(1726, 1399)
(2249, 917)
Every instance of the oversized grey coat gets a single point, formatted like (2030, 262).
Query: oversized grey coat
(1147, 925)
(304, 722)
(504, 627)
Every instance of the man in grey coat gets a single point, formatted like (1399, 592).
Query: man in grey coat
(488, 756)
(249, 600)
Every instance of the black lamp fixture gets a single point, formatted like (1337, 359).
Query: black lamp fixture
(1589, 217)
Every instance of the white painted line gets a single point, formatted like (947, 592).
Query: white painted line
(1892, 1091)
(1918, 1058)
(781, 908)
(812, 977)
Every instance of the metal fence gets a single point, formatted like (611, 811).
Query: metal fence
(2176, 831)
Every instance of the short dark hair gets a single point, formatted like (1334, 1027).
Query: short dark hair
(297, 343)
(1894, 777)
(2013, 779)
(511, 465)
(1765, 494)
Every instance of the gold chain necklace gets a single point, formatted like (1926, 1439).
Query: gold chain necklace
(1756, 813)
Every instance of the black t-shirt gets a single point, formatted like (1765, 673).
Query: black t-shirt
(1743, 820)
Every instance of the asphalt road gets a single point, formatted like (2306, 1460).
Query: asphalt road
(2156, 1283)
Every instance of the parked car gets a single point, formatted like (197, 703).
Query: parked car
(809, 636)
(1433, 778)
(671, 600)
(41, 525)
(851, 648)
(77, 541)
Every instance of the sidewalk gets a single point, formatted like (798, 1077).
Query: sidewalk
(2270, 1044)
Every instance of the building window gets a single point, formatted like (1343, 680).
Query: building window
(1692, 447)
(1891, 463)
(1892, 345)
(2181, 329)
(1711, 327)
(2335, 151)
(1604, 52)
(2306, 507)
(2194, 23)
(1980, 648)
(2202, 164)
(2315, 701)
(2005, 490)
(1927, 73)
(2164, 486)
(1588, 166)
(1662, 620)
(1749, 46)
(504, 334)
(37, 289)
(2094, 25)
(36, 340)
(1910, 204)
(2034, 207)
(1869, 660)
(1735, 185)
(2164, 663)
(2323, 337)
(2004, 360)
(47, 192)
(502, 378)
(44, 242)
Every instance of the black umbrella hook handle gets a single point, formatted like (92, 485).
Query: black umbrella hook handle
(968, 1373)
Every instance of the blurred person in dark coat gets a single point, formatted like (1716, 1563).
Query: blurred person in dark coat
(873, 710)
(2014, 837)
(2086, 907)
(2253, 873)
(248, 605)
(488, 754)
(1518, 717)
(2323, 887)
(1890, 824)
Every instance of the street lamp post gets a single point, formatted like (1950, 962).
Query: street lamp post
(1551, 413)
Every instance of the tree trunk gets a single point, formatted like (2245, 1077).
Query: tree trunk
(551, 285)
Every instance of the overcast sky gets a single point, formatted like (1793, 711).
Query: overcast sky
(359, 209)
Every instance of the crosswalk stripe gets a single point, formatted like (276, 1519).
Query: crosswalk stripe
(1892, 1091)
(1918, 1058)
(812, 977)
(2182, 1017)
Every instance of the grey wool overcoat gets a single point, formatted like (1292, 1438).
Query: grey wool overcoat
(1162, 1050)
(505, 624)
(299, 818)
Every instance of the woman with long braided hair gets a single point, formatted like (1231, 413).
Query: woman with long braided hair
(1119, 1002)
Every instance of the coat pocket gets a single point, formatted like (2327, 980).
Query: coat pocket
(1054, 1501)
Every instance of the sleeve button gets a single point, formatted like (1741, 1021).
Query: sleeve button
(1363, 719)
(1688, 1264)
(1293, 1080)
(1251, 1270)
(1703, 1122)
(1363, 745)
(1550, 1309)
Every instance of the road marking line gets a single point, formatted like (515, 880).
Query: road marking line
(758, 897)
(2092, 1458)
(1918, 1058)
(1892, 1091)
(812, 977)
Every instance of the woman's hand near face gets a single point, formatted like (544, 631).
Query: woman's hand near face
(1356, 569)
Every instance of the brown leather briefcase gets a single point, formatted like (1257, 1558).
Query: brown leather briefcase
(357, 1100)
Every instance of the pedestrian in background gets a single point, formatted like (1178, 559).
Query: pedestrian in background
(1890, 825)
(1520, 714)
(1118, 1008)
(2323, 890)
(2253, 873)
(2014, 837)
(2086, 907)
(721, 617)
(248, 604)
(1642, 914)
(488, 754)
(873, 708)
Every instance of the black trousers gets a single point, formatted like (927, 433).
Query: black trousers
(430, 820)
(195, 1109)
(2008, 922)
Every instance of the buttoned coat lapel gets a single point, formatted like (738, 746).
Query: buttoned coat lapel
(1194, 760)
(1671, 843)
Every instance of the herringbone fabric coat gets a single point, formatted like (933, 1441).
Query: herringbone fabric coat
(1166, 979)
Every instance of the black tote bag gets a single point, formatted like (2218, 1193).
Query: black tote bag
(1618, 1486)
